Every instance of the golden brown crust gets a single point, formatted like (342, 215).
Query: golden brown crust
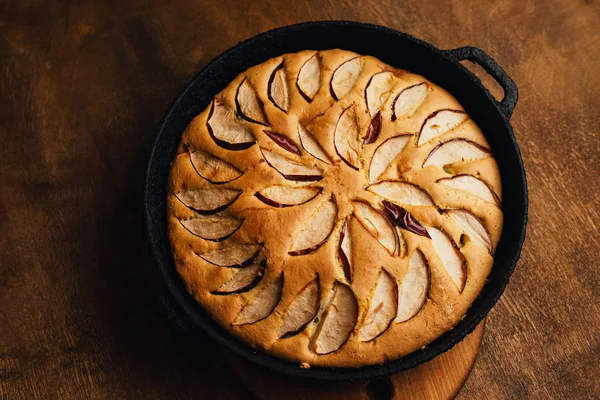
(277, 228)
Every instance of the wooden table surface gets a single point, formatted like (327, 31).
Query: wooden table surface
(82, 88)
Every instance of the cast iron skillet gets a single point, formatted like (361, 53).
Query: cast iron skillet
(399, 50)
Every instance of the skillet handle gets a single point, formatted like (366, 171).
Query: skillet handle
(511, 94)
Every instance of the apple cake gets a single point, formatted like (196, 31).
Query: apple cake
(332, 210)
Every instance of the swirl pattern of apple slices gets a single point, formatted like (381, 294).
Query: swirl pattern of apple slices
(208, 201)
(301, 311)
(346, 138)
(261, 305)
(291, 170)
(338, 320)
(392, 211)
(309, 78)
(344, 77)
(408, 100)
(316, 231)
(243, 280)
(227, 130)
(215, 227)
(472, 186)
(212, 168)
(383, 307)
(285, 196)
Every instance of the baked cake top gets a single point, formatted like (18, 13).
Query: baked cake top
(332, 210)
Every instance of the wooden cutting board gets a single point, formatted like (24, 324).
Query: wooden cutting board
(439, 379)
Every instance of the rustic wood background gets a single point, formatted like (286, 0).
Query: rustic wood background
(82, 88)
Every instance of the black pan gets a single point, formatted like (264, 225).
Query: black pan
(399, 50)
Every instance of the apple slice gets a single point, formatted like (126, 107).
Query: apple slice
(283, 141)
(409, 100)
(291, 170)
(385, 154)
(317, 230)
(285, 196)
(261, 305)
(455, 150)
(309, 78)
(472, 226)
(472, 186)
(345, 137)
(237, 256)
(338, 320)
(344, 77)
(413, 288)
(226, 130)
(378, 91)
(439, 123)
(345, 250)
(402, 192)
(249, 105)
(301, 310)
(208, 201)
(402, 218)
(278, 89)
(373, 129)
(377, 224)
(244, 280)
(383, 307)
(213, 169)
(212, 227)
(452, 259)
(311, 145)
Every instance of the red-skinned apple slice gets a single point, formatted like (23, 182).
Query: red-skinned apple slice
(345, 250)
(402, 192)
(244, 280)
(472, 226)
(383, 307)
(378, 91)
(301, 310)
(373, 129)
(377, 224)
(344, 77)
(291, 170)
(413, 289)
(345, 137)
(471, 185)
(278, 89)
(309, 78)
(261, 305)
(452, 259)
(439, 123)
(337, 322)
(283, 141)
(455, 150)
(409, 100)
(402, 218)
(249, 105)
(385, 154)
(226, 130)
(285, 196)
(236, 256)
(213, 169)
(215, 227)
(208, 201)
(311, 145)
(317, 230)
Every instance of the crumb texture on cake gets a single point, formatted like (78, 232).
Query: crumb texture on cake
(332, 210)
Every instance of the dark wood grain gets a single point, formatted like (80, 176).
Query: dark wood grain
(82, 88)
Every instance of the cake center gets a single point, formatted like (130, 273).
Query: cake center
(346, 184)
